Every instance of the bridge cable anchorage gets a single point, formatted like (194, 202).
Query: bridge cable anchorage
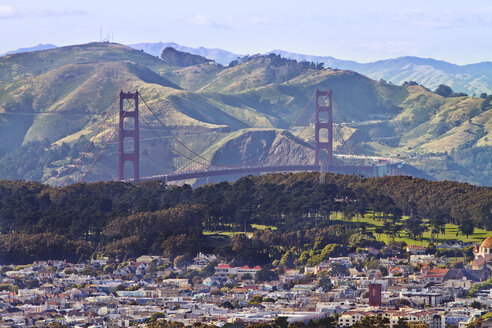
(91, 141)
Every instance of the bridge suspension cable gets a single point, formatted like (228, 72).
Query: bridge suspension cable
(303, 111)
(91, 141)
(209, 161)
(251, 160)
(168, 143)
(98, 155)
(345, 120)
(175, 137)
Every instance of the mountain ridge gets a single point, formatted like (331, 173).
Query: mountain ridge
(394, 70)
(470, 78)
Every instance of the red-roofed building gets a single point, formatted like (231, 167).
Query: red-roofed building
(222, 266)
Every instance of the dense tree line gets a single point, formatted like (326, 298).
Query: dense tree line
(126, 220)
(277, 61)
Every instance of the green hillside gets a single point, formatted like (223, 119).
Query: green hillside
(446, 137)
(52, 103)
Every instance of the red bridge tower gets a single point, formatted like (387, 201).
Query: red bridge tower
(319, 125)
(124, 133)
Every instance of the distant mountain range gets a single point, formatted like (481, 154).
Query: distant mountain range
(35, 48)
(220, 56)
(472, 79)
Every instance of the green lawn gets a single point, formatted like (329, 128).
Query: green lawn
(452, 232)
(233, 233)
(263, 227)
(226, 233)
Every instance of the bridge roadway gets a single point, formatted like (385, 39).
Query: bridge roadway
(342, 169)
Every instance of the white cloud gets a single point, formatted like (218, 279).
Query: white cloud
(203, 20)
(58, 12)
(233, 22)
(7, 12)
(444, 19)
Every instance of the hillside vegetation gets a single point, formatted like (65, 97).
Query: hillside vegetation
(53, 102)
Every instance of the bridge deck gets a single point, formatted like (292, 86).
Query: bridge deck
(346, 169)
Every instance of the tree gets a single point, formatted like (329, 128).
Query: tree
(438, 219)
(265, 275)
(325, 284)
(444, 90)
(209, 269)
(281, 322)
(372, 322)
(246, 276)
(288, 260)
(182, 261)
(156, 316)
(178, 245)
(414, 226)
(466, 226)
(338, 269)
(402, 323)
(227, 305)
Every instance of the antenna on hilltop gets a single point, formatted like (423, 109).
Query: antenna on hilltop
(100, 35)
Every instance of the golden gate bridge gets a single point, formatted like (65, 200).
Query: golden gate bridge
(128, 130)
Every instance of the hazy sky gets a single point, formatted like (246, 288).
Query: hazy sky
(459, 31)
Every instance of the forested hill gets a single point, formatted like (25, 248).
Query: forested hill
(123, 220)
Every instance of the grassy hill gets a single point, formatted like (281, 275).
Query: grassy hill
(53, 101)
(447, 137)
